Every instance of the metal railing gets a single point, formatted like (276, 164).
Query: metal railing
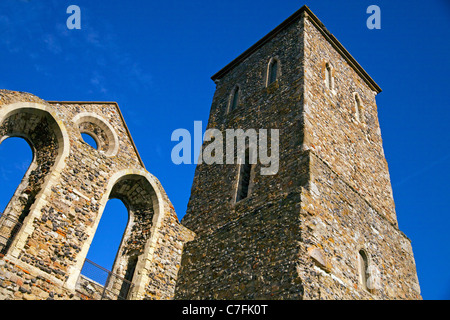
(98, 283)
(9, 227)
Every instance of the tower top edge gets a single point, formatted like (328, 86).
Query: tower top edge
(306, 11)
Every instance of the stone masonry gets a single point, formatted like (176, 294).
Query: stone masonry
(323, 227)
(47, 227)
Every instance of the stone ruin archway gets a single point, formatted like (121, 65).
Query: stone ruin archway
(142, 202)
(66, 190)
(148, 213)
(40, 128)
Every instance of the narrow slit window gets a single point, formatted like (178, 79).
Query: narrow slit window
(363, 269)
(273, 71)
(234, 99)
(131, 267)
(244, 178)
(328, 77)
(358, 108)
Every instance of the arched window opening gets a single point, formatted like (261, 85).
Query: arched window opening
(89, 140)
(108, 235)
(15, 159)
(328, 76)
(101, 276)
(103, 250)
(244, 177)
(273, 71)
(363, 268)
(234, 99)
(98, 128)
(44, 137)
(131, 238)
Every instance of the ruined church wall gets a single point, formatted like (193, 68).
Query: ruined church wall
(55, 237)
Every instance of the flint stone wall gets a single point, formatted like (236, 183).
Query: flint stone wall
(299, 233)
(64, 195)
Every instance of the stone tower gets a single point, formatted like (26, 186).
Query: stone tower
(324, 226)
(48, 226)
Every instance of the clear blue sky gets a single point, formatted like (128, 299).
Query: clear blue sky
(155, 59)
